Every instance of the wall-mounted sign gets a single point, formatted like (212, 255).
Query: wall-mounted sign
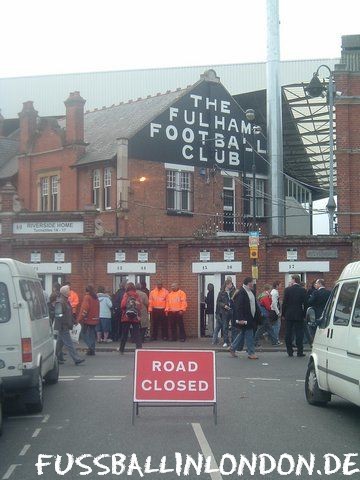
(125, 267)
(291, 254)
(205, 256)
(48, 227)
(143, 256)
(229, 255)
(35, 257)
(60, 268)
(120, 256)
(59, 256)
(217, 267)
(254, 239)
(301, 267)
(322, 253)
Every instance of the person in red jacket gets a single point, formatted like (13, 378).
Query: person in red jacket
(131, 316)
(265, 301)
(89, 318)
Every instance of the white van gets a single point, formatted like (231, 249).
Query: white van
(27, 347)
(334, 365)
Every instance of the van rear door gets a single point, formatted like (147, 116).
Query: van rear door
(10, 334)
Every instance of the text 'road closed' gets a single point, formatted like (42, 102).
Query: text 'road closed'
(174, 376)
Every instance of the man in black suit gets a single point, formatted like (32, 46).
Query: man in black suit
(319, 297)
(246, 316)
(293, 309)
(318, 300)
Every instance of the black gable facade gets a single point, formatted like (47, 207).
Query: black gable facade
(203, 128)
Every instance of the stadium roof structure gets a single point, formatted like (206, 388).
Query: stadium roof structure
(305, 135)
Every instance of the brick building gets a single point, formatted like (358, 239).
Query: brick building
(162, 188)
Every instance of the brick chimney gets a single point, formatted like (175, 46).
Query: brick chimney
(75, 118)
(2, 120)
(28, 120)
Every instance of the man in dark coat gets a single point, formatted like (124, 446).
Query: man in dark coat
(246, 316)
(319, 297)
(293, 309)
(317, 301)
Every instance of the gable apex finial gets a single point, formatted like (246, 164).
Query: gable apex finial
(210, 76)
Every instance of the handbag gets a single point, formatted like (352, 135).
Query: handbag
(75, 333)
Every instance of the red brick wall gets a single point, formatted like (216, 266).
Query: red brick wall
(348, 151)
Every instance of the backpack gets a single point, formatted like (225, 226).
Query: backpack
(131, 310)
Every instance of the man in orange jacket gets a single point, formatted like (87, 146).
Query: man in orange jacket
(176, 305)
(157, 304)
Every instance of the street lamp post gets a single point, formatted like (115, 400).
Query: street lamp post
(250, 115)
(317, 89)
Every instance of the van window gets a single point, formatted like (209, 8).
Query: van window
(326, 316)
(5, 310)
(33, 294)
(355, 321)
(345, 303)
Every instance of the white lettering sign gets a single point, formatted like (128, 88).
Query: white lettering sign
(304, 267)
(217, 267)
(128, 267)
(48, 227)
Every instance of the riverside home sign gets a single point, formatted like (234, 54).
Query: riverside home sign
(26, 228)
(204, 128)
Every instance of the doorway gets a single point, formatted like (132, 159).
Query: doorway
(130, 277)
(302, 275)
(205, 327)
(48, 280)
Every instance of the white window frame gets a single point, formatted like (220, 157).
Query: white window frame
(54, 193)
(259, 199)
(49, 192)
(44, 194)
(107, 188)
(179, 182)
(96, 188)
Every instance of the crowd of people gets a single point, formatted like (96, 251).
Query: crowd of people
(238, 315)
(132, 312)
(241, 317)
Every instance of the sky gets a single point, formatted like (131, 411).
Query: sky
(45, 37)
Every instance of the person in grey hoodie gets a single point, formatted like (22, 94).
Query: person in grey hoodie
(104, 326)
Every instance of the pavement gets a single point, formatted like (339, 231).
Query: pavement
(203, 343)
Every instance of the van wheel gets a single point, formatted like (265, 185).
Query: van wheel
(314, 395)
(37, 397)
(52, 377)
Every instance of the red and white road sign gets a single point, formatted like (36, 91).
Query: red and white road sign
(175, 376)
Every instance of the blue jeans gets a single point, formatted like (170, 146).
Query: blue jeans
(266, 327)
(244, 335)
(222, 322)
(276, 329)
(89, 336)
